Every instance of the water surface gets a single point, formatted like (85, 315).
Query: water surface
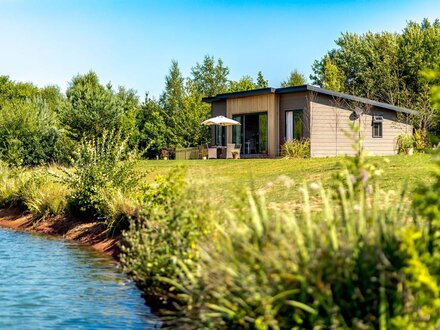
(52, 284)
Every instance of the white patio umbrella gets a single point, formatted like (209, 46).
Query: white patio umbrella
(220, 121)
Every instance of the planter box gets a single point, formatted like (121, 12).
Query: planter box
(187, 153)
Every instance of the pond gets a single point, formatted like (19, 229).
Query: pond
(53, 284)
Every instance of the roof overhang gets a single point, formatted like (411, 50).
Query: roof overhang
(252, 92)
(304, 88)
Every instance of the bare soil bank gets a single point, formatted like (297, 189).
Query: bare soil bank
(85, 233)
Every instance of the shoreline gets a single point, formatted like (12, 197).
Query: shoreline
(89, 234)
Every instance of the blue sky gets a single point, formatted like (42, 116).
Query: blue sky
(132, 43)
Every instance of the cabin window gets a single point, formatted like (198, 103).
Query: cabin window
(294, 124)
(377, 126)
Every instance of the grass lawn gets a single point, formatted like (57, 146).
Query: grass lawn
(281, 178)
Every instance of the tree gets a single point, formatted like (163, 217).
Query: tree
(244, 84)
(174, 93)
(19, 91)
(385, 67)
(195, 111)
(433, 77)
(176, 119)
(333, 78)
(28, 132)
(295, 79)
(151, 129)
(210, 78)
(92, 108)
(261, 82)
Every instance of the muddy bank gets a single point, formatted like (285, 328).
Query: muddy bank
(90, 234)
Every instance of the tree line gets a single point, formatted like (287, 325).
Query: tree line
(388, 67)
(42, 125)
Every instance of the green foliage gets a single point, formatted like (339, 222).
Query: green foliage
(152, 132)
(244, 84)
(11, 182)
(295, 79)
(34, 192)
(427, 203)
(166, 233)
(27, 132)
(261, 82)
(47, 198)
(405, 142)
(179, 120)
(356, 261)
(174, 93)
(210, 78)
(421, 141)
(28, 125)
(296, 149)
(97, 171)
(92, 108)
(11, 91)
(385, 67)
(359, 172)
(333, 78)
(189, 130)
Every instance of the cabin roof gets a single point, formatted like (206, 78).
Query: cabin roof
(303, 88)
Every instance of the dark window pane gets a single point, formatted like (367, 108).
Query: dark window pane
(298, 125)
(237, 131)
(262, 133)
(377, 130)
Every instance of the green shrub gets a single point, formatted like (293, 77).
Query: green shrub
(296, 149)
(405, 142)
(27, 132)
(433, 139)
(64, 149)
(119, 208)
(426, 203)
(102, 165)
(355, 263)
(166, 233)
(421, 141)
(93, 109)
(359, 261)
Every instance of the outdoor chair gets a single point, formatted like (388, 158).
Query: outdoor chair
(232, 148)
(212, 152)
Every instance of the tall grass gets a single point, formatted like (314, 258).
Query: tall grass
(358, 261)
(167, 231)
(343, 266)
(296, 149)
(102, 181)
(361, 258)
(34, 191)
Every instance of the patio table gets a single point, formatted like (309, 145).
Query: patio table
(221, 151)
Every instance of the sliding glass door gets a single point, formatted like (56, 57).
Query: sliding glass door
(262, 133)
(252, 133)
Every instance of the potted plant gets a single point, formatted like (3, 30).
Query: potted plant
(235, 154)
(165, 153)
(406, 144)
